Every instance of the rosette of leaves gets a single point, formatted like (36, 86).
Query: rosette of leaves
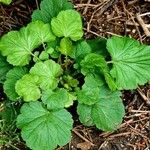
(51, 60)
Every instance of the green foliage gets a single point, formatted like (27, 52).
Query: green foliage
(106, 113)
(66, 47)
(20, 44)
(4, 68)
(55, 99)
(7, 2)
(68, 24)
(27, 87)
(8, 134)
(47, 72)
(130, 62)
(96, 63)
(44, 129)
(11, 78)
(50, 9)
(56, 60)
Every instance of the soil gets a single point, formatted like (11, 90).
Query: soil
(102, 18)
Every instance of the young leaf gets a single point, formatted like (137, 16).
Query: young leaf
(82, 49)
(52, 48)
(43, 129)
(66, 47)
(106, 113)
(4, 68)
(90, 90)
(28, 88)
(68, 24)
(131, 62)
(11, 78)
(47, 72)
(55, 99)
(20, 44)
(50, 9)
(85, 114)
(97, 62)
(44, 55)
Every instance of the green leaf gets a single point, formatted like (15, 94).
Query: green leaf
(20, 44)
(27, 87)
(4, 68)
(82, 49)
(11, 78)
(66, 47)
(44, 55)
(48, 72)
(55, 99)
(96, 63)
(7, 2)
(90, 90)
(68, 24)
(107, 114)
(49, 9)
(130, 61)
(43, 129)
(85, 114)
(52, 48)
(98, 46)
(71, 82)
(8, 114)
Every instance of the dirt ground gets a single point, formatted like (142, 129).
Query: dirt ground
(103, 18)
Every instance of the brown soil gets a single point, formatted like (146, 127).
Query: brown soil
(101, 18)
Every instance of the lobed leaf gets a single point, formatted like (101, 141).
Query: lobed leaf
(106, 113)
(48, 72)
(55, 99)
(68, 24)
(130, 61)
(66, 47)
(28, 88)
(11, 78)
(49, 9)
(96, 63)
(90, 90)
(18, 45)
(85, 114)
(43, 129)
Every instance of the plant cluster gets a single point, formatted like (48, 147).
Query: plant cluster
(48, 65)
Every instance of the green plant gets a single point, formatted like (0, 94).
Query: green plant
(53, 66)
(7, 2)
(8, 134)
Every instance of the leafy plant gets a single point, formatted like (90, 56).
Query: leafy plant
(7, 2)
(52, 66)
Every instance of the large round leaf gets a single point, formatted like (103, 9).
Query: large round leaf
(68, 23)
(43, 129)
(106, 113)
(131, 62)
(18, 45)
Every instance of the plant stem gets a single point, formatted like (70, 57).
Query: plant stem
(109, 62)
